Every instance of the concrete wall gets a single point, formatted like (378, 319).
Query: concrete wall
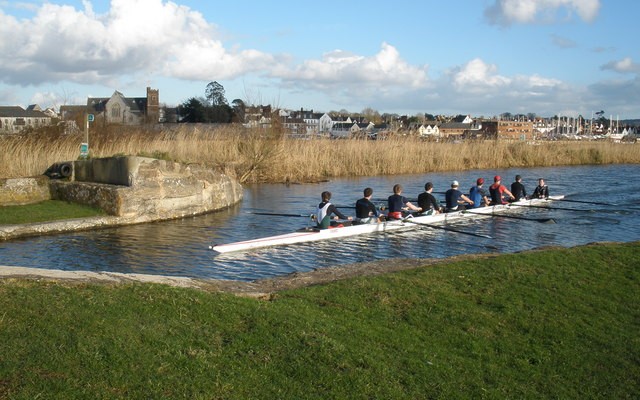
(112, 170)
(19, 191)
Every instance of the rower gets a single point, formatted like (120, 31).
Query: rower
(366, 212)
(427, 202)
(324, 211)
(497, 190)
(398, 203)
(518, 190)
(455, 199)
(478, 195)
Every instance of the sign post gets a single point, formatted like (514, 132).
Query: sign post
(84, 147)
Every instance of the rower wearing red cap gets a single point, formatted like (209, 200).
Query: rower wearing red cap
(478, 194)
(498, 190)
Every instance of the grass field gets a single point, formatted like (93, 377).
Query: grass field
(549, 324)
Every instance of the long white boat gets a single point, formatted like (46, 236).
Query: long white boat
(311, 234)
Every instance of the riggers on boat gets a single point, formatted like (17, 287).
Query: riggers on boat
(314, 234)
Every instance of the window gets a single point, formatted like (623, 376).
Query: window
(115, 111)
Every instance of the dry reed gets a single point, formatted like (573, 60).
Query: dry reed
(265, 156)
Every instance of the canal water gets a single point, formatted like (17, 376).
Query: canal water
(181, 247)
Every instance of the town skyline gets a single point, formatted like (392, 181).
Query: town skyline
(552, 57)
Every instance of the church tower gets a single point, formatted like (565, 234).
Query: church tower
(153, 106)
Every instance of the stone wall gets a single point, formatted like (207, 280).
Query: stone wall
(19, 191)
(154, 190)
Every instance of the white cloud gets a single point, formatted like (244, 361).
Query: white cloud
(134, 37)
(477, 76)
(626, 65)
(341, 67)
(344, 75)
(508, 12)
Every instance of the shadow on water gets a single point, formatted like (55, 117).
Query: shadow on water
(180, 247)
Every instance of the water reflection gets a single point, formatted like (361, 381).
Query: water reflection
(181, 247)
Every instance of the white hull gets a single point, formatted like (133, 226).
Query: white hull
(313, 235)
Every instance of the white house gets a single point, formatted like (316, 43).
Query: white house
(429, 129)
(14, 119)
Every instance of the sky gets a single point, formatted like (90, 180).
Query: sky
(475, 57)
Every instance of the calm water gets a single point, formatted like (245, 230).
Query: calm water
(181, 247)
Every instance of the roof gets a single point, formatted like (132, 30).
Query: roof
(135, 104)
(454, 125)
(19, 112)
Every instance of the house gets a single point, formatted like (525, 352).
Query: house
(14, 119)
(343, 129)
(462, 119)
(429, 129)
(121, 110)
(453, 129)
(508, 130)
(259, 116)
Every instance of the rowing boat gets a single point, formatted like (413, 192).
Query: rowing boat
(313, 234)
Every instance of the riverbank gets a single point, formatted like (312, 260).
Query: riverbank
(265, 156)
(555, 323)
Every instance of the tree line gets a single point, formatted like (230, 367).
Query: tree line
(212, 108)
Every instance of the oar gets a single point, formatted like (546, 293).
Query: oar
(563, 208)
(541, 220)
(444, 228)
(353, 207)
(280, 214)
(590, 202)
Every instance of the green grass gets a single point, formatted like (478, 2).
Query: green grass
(50, 210)
(553, 324)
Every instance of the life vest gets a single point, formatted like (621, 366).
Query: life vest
(323, 217)
(496, 193)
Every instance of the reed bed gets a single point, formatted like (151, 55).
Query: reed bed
(269, 156)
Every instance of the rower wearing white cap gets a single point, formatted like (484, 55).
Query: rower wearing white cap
(455, 199)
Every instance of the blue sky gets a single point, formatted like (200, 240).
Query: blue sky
(478, 57)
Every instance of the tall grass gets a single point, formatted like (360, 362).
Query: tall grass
(269, 156)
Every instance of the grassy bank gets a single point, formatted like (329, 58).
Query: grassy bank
(51, 210)
(553, 324)
(269, 157)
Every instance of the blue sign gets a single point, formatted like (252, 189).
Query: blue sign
(90, 117)
(84, 149)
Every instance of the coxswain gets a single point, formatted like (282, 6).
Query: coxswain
(541, 191)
